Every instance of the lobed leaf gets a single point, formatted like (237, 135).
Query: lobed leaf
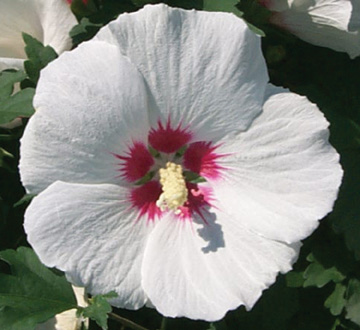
(353, 303)
(99, 308)
(83, 31)
(18, 105)
(7, 80)
(336, 301)
(318, 275)
(32, 293)
(38, 57)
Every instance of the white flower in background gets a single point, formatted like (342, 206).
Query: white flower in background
(172, 80)
(328, 23)
(68, 320)
(49, 21)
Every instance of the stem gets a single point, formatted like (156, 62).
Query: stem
(163, 323)
(127, 323)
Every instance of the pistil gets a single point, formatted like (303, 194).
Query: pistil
(174, 189)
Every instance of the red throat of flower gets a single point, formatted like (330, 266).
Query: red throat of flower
(163, 176)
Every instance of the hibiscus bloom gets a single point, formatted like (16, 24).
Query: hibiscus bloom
(327, 23)
(49, 21)
(183, 180)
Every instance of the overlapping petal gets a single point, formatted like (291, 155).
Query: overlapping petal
(282, 175)
(89, 232)
(213, 84)
(49, 21)
(327, 23)
(268, 184)
(201, 271)
(80, 121)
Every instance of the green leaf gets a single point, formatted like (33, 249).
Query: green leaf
(39, 56)
(7, 80)
(85, 30)
(294, 279)
(353, 303)
(318, 275)
(18, 105)
(98, 308)
(32, 293)
(255, 15)
(336, 301)
(223, 5)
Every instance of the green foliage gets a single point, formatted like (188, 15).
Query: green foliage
(17, 105)
(32, 293)
(83, 31)
(317, 275)
(255, 15)
(225, 5)
(323, 290)
(295, 279)
(336, 301)
(38, 55)
(98, 309)
(353, 302)
(7, 80)
(14, 105)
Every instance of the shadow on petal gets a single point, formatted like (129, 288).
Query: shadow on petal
(211, 232)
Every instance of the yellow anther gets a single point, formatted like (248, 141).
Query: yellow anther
(174, 188)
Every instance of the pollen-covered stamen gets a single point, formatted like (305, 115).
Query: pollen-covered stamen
(174, 188)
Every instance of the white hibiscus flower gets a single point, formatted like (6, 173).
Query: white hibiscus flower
(49, 21)
(328, 23)
(191, 87)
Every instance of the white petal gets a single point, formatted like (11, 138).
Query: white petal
(49, 21)
(57, 20)
(323, 23)
(203, 69)
(201, 271)
(283, 175)
(89, 232)
(89, 103)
